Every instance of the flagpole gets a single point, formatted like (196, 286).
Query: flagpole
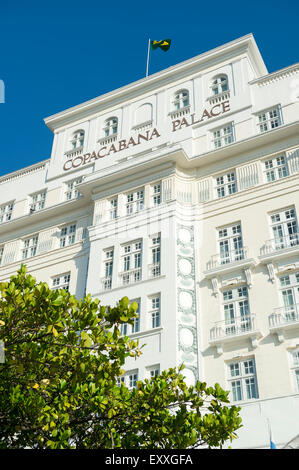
(148, 52)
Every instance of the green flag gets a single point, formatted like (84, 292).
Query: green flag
(164, 44)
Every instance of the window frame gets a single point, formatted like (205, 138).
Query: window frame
(242, 377)
(266, 124)
(6, 211)
(77, 140)
(225, 186)
(31, 249)
(39, 203)
(110, 125)
(217, 83)
(219, 141)
(294, 367)
(131, 257)
(135, 201)
(284, 229)
(181, 99)
(61, 285)
(71, 189)
(232, 239)
(69, 236)
(274, 169)
(154, 311)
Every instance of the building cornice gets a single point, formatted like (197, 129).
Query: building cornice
(245, 44)
(275, 76)
(24, 171)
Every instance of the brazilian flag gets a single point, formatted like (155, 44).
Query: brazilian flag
(164, 44)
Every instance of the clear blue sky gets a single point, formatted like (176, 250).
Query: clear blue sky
(58, 54)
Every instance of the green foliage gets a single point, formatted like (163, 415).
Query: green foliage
(58, 382)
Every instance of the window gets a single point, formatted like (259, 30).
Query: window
(120, 380)
(71, 192)
(131, 260)
(268, 120)
(61, 282)
(136, 324)
(153, 371)
(289, 289)
(276, 168)
(155, 254)
(226, 184)
(132, 379)
(6, 212)
(154, 312)
(181, 99)
(129, 329)
(236, 311)
(1, 254)
(230, 244)
(284, 229)
(37, 202)
(219, 84)
(67, 235)
(111, 126)
(242, 380)
(29, 247)
(295, 367)
(156, 194)
(223, 136)
(108, 268)
(77, 139)
(129, 379)
(112, 208)
(135, 201)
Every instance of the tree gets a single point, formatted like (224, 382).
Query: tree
(58, 383)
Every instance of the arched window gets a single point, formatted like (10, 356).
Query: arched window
(219, 84)
(181, 99)
(111, 126)
(78, 139)
(144, 113)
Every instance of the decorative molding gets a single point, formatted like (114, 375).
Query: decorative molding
(186, 302)
(214, 281)
(271, 271)
(24, 172)
(248, 276)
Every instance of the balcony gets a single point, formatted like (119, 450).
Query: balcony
(276, 245)
(226, 258)
(74, 152)
(108, 139)
(106, 283)
(176, 113)
(284, 318)
(154, 270)
(228, 331)
(130, 277)
(143, 126)
(229, 261)
(215, 99)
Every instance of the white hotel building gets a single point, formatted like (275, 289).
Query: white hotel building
(180, 191)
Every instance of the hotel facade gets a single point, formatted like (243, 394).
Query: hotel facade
(180, 191)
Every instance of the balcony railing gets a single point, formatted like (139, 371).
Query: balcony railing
(227, 257)
(74, 152)
(108, 139)
(106, 283)
(129, 277)
(154, 270)
(284, 316)
(280, 243)
(234, 327)
(225, 95)
(176, 113)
